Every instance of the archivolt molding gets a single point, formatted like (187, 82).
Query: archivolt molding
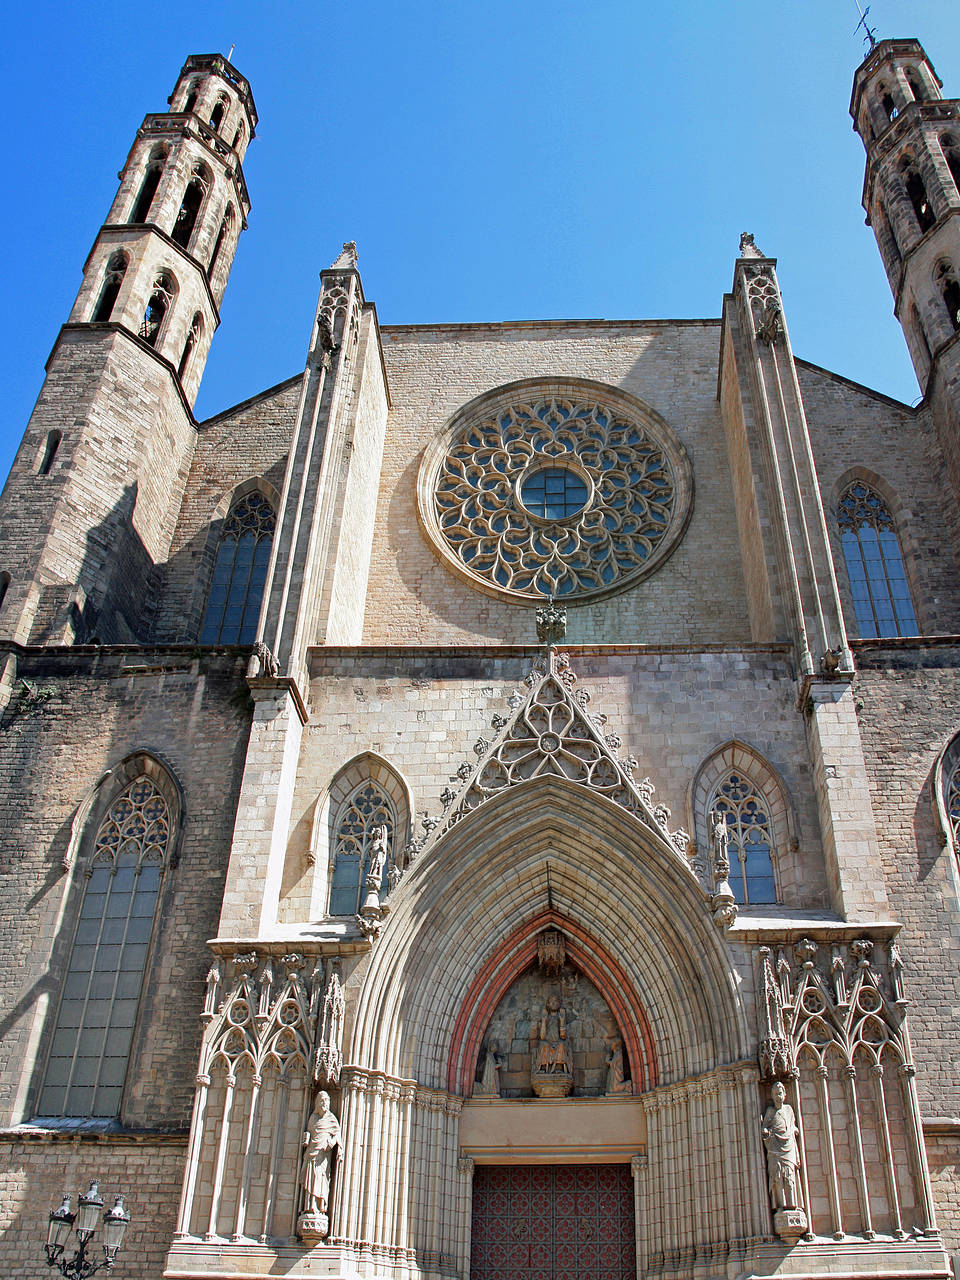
(510, 960)
(634, 473)
(549, 844)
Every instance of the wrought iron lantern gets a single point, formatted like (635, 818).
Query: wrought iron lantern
(84, 1222)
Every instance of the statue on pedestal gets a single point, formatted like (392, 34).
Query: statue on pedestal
(320, 1141)
(552, 1074)
(489, 1086)
(779, 1132)
(616, 1084)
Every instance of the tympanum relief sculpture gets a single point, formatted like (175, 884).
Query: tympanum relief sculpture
(552, 1036)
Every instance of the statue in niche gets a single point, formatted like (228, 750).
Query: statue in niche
(617, 1083)
(489, 1086)
(552, 1074)
(320, 1141)
(779, 1132)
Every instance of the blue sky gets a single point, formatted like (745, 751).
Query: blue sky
(494, 161)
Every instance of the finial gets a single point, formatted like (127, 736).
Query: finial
(870, 36)
(551, 623)
(748, 248)
(347, 257)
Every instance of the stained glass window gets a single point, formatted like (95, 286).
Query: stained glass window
(952, 801)
(742, 808)
(239, 574)
(358, 818)
(871, 549)
(101, 994)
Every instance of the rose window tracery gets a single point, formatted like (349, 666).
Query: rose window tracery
(543, 493)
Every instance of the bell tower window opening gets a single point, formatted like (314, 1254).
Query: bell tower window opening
(87, 1066)
(887, 102)
(951, 153)
(164, 290)
(191, 101)
(49, 452)
(239, 573)
(4, 586)
(218, 112)
(190, 207)
(112, 280)
(193, 337)
(238, 136)
(871, 550)
(913, 80)
(357, 823)
(148, 189)
(917, 194)
(741, 807)
(225, 226)
(946, 279)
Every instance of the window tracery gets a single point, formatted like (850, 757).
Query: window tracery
(239, 573)
(359, 818)
(871, 550)
(562, 495)
(741, 807)
(164, 291)
(91, 1041)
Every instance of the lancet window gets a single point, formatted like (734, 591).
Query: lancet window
(239, 573)
(356, 825)
(225, 226)
(190, 207)
(871, 550)
(112, 280)
(193, 337)
(164, 290)
(148, 189)
(917, 193)
(98, 1008)
(742, 808)
(946, 279)
(951, 153)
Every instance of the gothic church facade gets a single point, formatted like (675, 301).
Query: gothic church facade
(489, 805)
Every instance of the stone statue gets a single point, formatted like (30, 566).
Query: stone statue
(616, 1083)
(552, 1074)
(320, 1141)
(779, 1130)
(378, 854)
(489, 1086)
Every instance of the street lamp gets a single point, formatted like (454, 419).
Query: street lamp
(85, 1222)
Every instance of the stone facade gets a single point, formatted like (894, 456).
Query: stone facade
(342, 863)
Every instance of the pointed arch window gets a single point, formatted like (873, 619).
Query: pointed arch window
(164, 290)
(218, 112)
(361, 814)
(112, 280)
(148, 189)
(190, 206)
(239, 573)
(91, 1041)
(742, 808)
(946, 279)
(871, 550)
(917, 193)
(226, 226)
(951, 153)
(193, 337)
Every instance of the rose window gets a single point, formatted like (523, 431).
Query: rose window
(569, 495)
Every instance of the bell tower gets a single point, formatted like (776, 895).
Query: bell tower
(911, 195)
(89, 508)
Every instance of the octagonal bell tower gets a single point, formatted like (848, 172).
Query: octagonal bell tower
(89, 509)
(911, 195)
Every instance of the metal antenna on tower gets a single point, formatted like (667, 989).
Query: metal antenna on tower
(233, 46)
(870, 37)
